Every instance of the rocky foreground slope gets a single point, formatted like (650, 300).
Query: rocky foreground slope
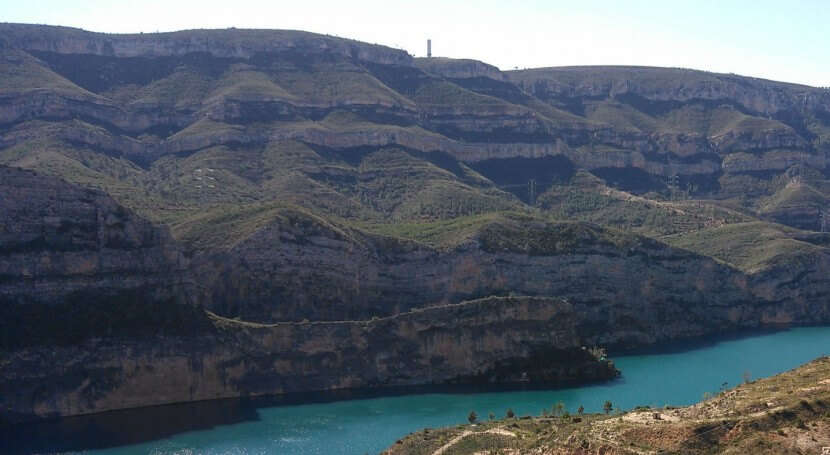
(220, 213)
(784, 414)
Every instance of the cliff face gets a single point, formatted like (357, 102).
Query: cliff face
(296, 268)
(458, 68)
(492, 340)
(671, 85)
(230, 43)
(60, 242)
(799, 285)
(488, 340)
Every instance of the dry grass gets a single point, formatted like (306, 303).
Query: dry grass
(787, 413)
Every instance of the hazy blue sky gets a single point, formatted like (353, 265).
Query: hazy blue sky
(783, 40)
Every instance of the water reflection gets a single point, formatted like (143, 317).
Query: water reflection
(134, 426)
(349, 422)
(118, 428)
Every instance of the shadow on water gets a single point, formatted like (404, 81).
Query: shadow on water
(125, 427)
(140, 425)
(693, 344)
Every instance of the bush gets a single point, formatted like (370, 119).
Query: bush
(510, 414)
(607, 407)
(472, 417)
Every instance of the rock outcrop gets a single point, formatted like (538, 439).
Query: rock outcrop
(671, 85)
(61, 243)
(229, 43)
(493, 340)
(458, 68)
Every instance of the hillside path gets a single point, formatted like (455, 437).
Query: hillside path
(466, 433)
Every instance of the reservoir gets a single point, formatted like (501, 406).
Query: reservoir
(361, 423)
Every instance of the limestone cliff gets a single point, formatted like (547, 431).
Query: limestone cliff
(297, 267)
(494, 340)
(229, 43)
(458, 68)
(61, 243)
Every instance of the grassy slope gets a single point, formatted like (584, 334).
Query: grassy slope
(392, 191)
(692, 118)
(656, 78)
(712, 119)
(787, 413)
(225, 226)
(751, 246)
(587, 198)
(389, 192)
(20, 72)
(794, 195)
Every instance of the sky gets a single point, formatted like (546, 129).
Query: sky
(787, 40)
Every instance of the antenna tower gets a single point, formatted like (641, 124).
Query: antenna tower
(531, 191)
(673, 182)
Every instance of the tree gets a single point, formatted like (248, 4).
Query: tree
(558, 408)
(607, 406)
(491, 416)
(510, 413)
(747, 377)
(581, 410)
(472, 417)
(598, 353)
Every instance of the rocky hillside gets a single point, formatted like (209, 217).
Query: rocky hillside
(784, 414)
(72, 260)
(207, 199)
(59, 241)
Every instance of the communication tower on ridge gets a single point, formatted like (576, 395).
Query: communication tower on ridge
(531, 191)
(673, 182)
(429, 48)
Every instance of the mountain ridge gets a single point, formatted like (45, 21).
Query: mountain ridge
(299, 180)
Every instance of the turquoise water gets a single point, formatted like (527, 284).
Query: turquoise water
(369, 424)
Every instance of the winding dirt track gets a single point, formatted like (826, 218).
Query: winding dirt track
(466, 433)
